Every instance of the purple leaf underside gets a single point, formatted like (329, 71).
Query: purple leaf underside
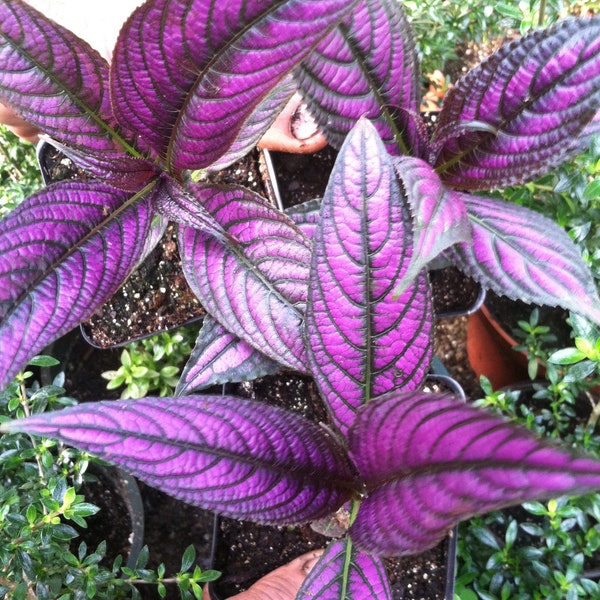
(256, 288)
(242, 458)
(429, 461)
(62, 256)
(521, 111)
(177, 204)
(124, 172)
(343, 573)
(56, 81)
(362, 340)
(439, 214)
(244, 70)
(521, 254)
(221, 357)
(367, 66)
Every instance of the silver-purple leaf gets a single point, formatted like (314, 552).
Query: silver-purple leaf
(367, 66)
(56, 81)
(255, 288)
(128, 173)
(263, 43)
(242, 458)
(221, 357)
(429, 461)
(362, 340)
(306, 216)
(521, 254)
(150, 104)
(177, 204)
(63, 252)
(439, 214)
(256, 124)
(344, 573)
(520, 112)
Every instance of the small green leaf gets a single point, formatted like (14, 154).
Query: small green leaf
(209, 575)
(566, 356)
(592, 190)
(188, 558)
(507, 10)
(43, 361)
(31, 515)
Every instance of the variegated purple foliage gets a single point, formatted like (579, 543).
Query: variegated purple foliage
(344, 572)
(529, 107)
(184, 92)
(363, 340)
(343, 295)
(413, 465)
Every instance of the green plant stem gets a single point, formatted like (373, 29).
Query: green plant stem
(593, 418)
(541, 12)
(27, 411)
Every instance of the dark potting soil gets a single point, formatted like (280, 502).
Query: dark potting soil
(156, 297)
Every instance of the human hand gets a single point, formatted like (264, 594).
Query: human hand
(17, 125)
(282, 583)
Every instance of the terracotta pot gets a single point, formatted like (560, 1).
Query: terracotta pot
(490, 351)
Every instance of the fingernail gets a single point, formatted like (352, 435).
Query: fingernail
(308, 565)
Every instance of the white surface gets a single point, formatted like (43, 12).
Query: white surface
(98, 22)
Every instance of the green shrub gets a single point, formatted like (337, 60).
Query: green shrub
(40, 505)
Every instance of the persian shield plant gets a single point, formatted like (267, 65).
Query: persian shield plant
(339, 291)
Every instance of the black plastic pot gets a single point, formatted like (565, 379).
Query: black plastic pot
(120, 521)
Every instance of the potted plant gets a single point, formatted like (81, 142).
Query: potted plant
(341, 293)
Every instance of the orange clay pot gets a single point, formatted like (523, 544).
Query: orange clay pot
(490, 351)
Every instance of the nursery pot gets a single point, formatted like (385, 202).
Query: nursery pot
(120, 520)
(490, 351)
(490, 341)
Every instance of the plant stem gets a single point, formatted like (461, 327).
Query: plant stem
(541, 13)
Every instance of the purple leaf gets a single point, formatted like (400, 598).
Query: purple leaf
(362, 341)
(343, 573)
(221, 357)
(56, 81)
(177, 204)
(518, 253)
(255, 46)
(256, 288)
(429, 461)
(256, 124)
(368, 66)
(520, 112)
(582, 143)
(440, 216)
(242, 458)
(150, 104)
(306, 216)
(62, 254)
(125, 172)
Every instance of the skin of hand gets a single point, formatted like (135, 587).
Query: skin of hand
(282, 583)
(17, 125)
